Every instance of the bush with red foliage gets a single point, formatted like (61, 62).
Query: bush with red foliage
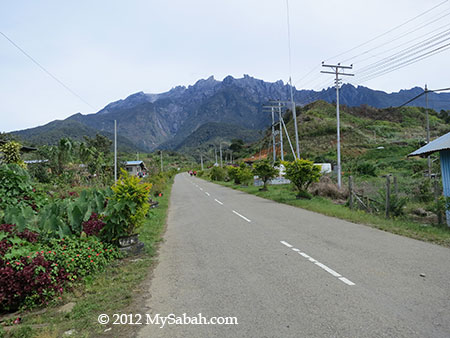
(10, 230)
(94, 225)
(34, 278)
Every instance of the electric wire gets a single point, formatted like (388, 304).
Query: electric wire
(45, 70)
(387, 32)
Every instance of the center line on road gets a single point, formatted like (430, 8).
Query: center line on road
(218, 201)
(207, 193)
(241, 216)
(320, 265)
(286, 243)
(201, 189)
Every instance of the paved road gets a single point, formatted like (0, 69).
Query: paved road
(286, 272)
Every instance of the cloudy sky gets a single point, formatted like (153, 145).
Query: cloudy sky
(107, 50)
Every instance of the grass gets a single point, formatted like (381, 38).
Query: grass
(110, 291)
(400, 226)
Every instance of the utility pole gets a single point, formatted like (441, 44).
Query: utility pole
(220, 147)
(160, 153)
(294, 114)
(215, 153)
(428, 130)
(273, 137)
(115, 150)
(336, 72)
(281, 132)
(201, 160)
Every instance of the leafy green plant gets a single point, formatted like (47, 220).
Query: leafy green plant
(302, 173)
(218, 174)
(127, 207)
(396, 204)
(233, 174)
(11, 153)
(265, 171)
(244, 174)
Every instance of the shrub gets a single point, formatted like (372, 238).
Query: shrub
(81, 256)
(26, 277)
(30, 280)
(200, 173)
(233, 174)
(244, 174)
(302, 173)
(94, 225)
(15, 186)
(127, 207)
(11, 153)
(265, 171)
(218, 174)
(366, 168)
(32, 273)
(423, 190)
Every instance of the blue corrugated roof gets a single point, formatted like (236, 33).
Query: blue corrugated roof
(441, 143)
(134, 162)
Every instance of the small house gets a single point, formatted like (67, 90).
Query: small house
(135, 168)
(441, 145)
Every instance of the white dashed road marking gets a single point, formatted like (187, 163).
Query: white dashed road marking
(207, 193)
(235, 212)
(218, 201)
(286, 243)
(320, 265)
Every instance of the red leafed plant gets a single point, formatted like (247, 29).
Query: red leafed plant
(94, 225)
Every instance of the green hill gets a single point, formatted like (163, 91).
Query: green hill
(381, 136)
(52, 132)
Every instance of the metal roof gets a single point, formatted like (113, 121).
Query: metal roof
(441, 143)
(134, 162)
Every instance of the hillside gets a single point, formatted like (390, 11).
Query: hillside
(166, 120)
(363, 131)
(52, 132)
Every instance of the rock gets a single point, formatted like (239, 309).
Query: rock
(422, 275)
(67, 307)
(420, 212)
(133, 250)
(70, 332)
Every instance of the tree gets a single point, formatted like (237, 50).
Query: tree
(302, 173)
(265, 171)
(11, 153)
(244, 174)
(236, 145)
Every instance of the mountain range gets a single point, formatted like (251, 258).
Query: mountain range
(194, 115)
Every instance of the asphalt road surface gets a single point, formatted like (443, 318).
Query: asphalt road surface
(282, 271)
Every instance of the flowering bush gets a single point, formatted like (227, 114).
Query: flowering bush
(81, 256)
(30, 280)
(32, 273)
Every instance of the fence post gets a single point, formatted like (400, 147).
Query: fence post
(388, 195)
(350, 189)
(436, 199)
(395, 185)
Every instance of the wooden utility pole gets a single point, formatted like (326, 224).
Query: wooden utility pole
(388, 195)
(350, 189)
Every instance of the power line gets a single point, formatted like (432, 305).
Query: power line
(387, 32)
(45, 70)
(405, 63)
(354, 58)
(428, 23)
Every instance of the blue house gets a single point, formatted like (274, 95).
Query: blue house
(441, 145)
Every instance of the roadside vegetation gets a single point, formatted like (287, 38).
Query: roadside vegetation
(311, 191)
(62, 222)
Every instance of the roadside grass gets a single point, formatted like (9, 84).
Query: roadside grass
(400, 226)
(107, 292)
